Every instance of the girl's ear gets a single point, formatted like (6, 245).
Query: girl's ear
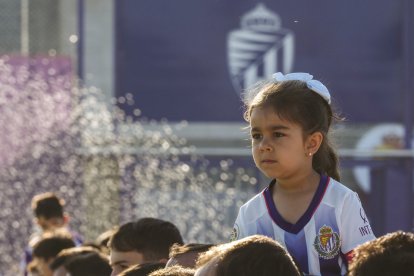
(313, 142)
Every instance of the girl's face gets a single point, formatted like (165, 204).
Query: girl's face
(278, 147)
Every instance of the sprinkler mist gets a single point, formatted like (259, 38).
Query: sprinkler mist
(109, 167)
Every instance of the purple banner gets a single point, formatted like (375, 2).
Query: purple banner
(189, 60)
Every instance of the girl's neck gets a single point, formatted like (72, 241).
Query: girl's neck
(298, 184)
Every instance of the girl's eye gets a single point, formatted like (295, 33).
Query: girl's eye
(256, 136)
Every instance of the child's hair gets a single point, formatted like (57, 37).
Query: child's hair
(93, 263)
(33, 268)
(391, 254)
(253, 255)
(175, 270)
(50, 245)
(142, 269)
(67, 254)
(102, 240)
(178, 249)
(186, 255)
(104, 237)
(150, 236)
(47, 205)
(292, 100)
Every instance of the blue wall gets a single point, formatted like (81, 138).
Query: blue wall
(173, 55)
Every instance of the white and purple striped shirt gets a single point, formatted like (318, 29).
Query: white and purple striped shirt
(322, 240)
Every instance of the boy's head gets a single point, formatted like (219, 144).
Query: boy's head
(186, 255)
(391, 254)
(89, 264)
(143, 241)
(175, 270)
(103, 239)
(81, 261)
(142, 269)
(254, 255)
(47, 248)
(48, 210)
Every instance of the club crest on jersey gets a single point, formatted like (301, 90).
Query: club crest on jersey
(234, 233)
(327, 243)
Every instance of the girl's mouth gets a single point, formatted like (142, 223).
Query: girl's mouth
(268, 161)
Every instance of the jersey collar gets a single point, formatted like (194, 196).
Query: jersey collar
(305, 218)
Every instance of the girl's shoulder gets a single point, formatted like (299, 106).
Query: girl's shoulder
(254, 201)
(336, 191)
(339, 186)
(254, 207)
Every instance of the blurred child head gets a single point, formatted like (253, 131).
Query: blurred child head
(391, 254)
(142, 241)
(254, 255)
(175, 270)
(48, 247)
(48, 210)
(103, 239)
(186, 255)
(142, 269)
(89, 264)
(74, 260)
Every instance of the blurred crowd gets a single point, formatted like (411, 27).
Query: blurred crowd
(155, 247)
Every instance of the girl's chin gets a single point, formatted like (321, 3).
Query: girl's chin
(270, 175)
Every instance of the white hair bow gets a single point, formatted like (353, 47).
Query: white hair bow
(312, 84)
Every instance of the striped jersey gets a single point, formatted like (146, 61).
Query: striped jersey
(322, 240)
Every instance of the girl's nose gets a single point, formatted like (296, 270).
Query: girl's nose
(265, 145)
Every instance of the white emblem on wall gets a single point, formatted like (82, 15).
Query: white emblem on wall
(259, 48)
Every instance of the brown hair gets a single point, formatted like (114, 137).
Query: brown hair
(47, 205)
(150, 236)
(173, 271)
(294, 101)
(187, 255)
(178, 249)
(92, 263)
(67, 254)
(51, 244)
(391, 254)
(254, 255)
(142, 269)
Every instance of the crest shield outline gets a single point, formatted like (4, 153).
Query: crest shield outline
(259, 48)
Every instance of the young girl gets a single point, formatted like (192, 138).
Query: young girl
(305, 208)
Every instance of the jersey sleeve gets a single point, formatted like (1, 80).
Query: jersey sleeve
(355, 227)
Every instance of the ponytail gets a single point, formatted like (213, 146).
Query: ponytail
(326, 160)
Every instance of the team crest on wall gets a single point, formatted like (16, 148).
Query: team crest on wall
(259, 48)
